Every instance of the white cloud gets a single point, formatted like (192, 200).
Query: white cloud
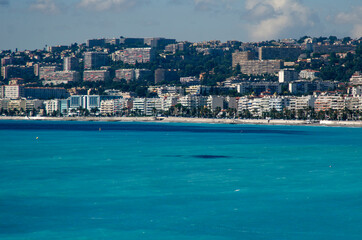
(353, 18)
(270, 19)
(102, 5)
(45, 6)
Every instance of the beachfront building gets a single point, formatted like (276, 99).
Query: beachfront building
(230, 102)
(115, 106)
(85, 102)
(301, 103)
(17, 105)
(148, 106)
(193, 101)
(32, 104)
(278, 103)
(353, 103)
(215, 102)
(325, 102)
(52, 106)
(259, 105)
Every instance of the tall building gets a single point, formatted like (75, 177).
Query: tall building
(301, 103)
(70, 64)
(158, 42)
(58, 48)
(163, 75)
(96, 43)
(16, 71)
(126, 74)
(333, 48)
(214, 102)
(284, 53)
(61, 77)
(45, 72)
(95, 60)
(175, 47)
(84, 101)
(7, 61)
(242, 56)
(112, 41)
(288, 75)
(135, 55)
(12, 91)
(132, 41)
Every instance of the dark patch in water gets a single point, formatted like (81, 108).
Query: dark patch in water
(210, 156)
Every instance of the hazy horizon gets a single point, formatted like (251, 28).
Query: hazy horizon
(37, 23)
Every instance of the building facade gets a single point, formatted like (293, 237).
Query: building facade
(96, 76)
(95, 60)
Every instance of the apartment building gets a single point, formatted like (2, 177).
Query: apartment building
(96, 75)
(284, 53)
(12, 91)
(260, 67)
(95, 60)
(325, 102)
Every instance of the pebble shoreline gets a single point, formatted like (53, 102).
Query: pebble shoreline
(194, 120)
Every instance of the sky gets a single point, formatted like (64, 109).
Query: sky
(34, 24)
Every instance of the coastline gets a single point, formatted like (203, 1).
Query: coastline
(193, 120)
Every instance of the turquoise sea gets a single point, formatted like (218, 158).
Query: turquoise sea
(101, 181)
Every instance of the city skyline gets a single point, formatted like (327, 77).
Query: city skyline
(34, 24)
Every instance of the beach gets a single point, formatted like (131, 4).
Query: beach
(195, 120)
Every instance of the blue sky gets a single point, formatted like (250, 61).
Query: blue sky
(32, 24)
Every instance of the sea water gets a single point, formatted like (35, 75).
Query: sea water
(93, 180)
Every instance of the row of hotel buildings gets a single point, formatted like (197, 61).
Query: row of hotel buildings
(117, 105)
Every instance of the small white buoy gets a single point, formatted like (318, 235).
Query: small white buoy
(37, 138)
